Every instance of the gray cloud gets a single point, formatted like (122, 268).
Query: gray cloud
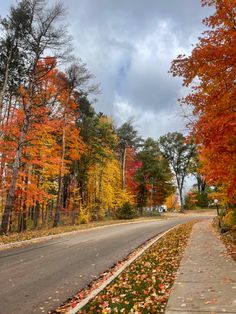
(129, 45)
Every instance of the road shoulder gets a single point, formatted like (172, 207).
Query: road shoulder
(60, 232)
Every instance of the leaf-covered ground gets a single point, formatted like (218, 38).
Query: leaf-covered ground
(32, 234)
(144, 286)
(229, 240)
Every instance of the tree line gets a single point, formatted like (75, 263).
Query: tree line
(60, 161)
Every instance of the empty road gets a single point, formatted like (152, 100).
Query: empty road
(40, 276)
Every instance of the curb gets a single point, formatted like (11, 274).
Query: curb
(58, 235)
(95, 292)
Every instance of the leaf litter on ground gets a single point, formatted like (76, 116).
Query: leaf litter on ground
(144, 286)
(228, 238)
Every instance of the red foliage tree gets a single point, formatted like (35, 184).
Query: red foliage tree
(131, 167)
(210, 71)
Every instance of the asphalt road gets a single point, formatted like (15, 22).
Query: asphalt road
(41, 276)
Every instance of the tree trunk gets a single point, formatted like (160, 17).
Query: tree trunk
(4, 87)
(180, 189)
(11, 193)
(58, 204)
(19, 222)
(43, 215)
(100, 187)
(51, 210)
(73, 214)
(60, 183)
(36, 215)
(123, 169)
(22, 222)
(201, 184)
(181, 199)
(73, 208)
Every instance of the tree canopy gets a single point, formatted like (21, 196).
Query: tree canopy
(210, 72)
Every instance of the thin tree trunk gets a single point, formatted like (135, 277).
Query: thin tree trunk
(11, 192)
(4, 87)
(73, 208)
(32, 212)
(22, 216)
(36, 214)
(100, 187)
(22, 223)
(181, 199)
(60, 183)
(123, 169)
(4, 155)
(58, 204)
(43, 215)
(73, 182)
(19, 222)
(51, 210)
(180, 189)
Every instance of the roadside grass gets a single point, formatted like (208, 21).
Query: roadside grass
(144, 287)
(38, 233)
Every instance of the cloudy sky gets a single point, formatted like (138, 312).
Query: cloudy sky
(129, 45)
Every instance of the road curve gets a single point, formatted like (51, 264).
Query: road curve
(41, 276)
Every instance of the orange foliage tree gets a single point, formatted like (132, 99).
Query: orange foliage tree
(50, 145)
(210, 72)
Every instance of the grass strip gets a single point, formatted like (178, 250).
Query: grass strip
(144, 286)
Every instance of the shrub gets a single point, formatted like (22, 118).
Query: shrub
(202, 200)
(84, 219)
(151, 213)
(127, 211)
(230, 219)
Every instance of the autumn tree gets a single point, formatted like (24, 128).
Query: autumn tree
(172, 202)
(209, 72)
(179, 151)
(66, 88)
(102, 170)
(87, 123)
(154, 175)
(132, 165)
(45, 34)
(201, 188)
(128, 137)
(99, 136)
(195, 170)
(15, 28)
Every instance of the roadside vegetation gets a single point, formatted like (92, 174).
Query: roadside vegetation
(229, 239)
(225, 226)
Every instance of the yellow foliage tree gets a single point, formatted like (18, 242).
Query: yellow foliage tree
(172, 202)
(105, 189)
